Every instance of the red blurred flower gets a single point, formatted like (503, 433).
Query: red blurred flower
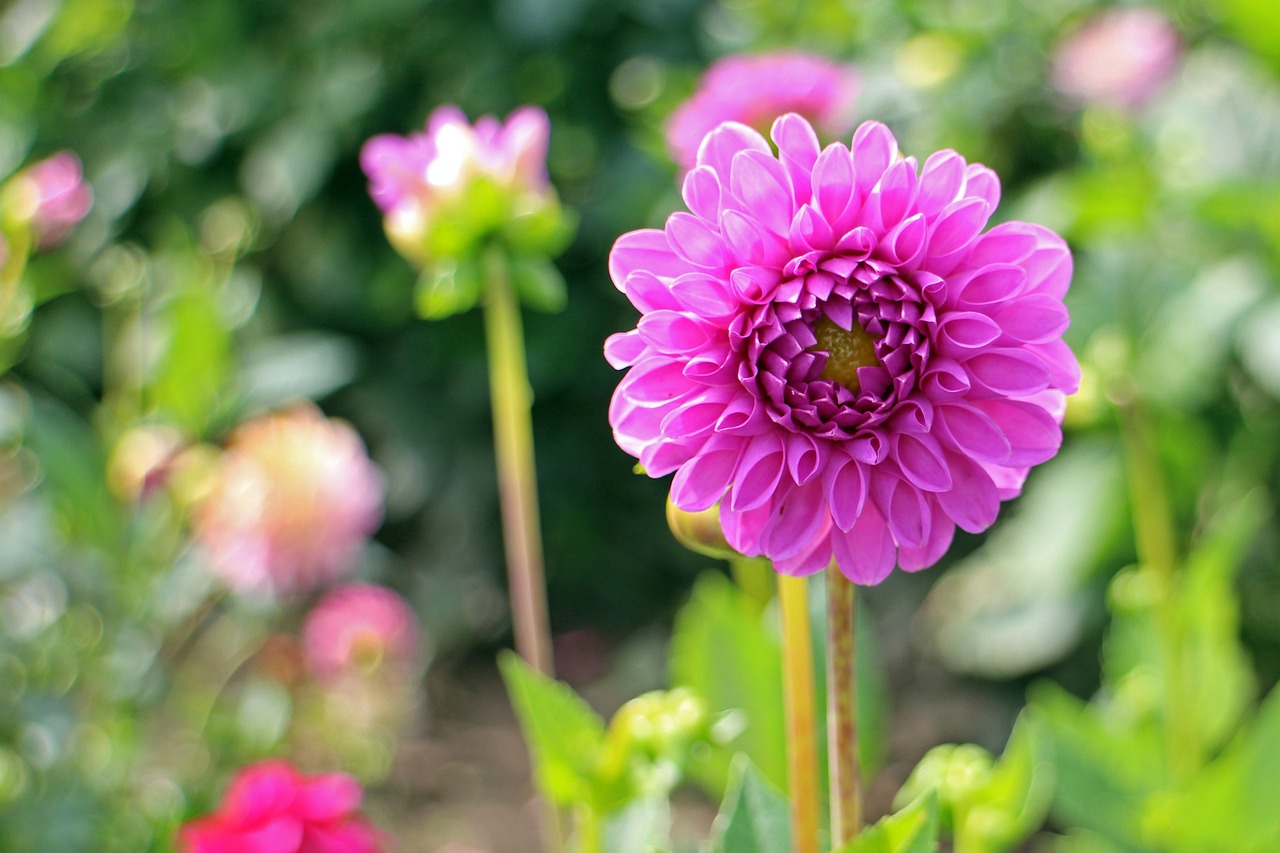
(272, 808)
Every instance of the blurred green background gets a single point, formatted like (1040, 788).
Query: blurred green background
(233, 262)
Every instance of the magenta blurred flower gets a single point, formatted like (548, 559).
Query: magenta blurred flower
(832, 350)
(754, 90)
(359, 627)
(292, 501)
(272, 808)
(1121, 57)
(54, 197)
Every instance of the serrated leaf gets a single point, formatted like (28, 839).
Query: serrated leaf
(721, 649)
(913, 829)
(447, 287)
(564, 735)
(754, 817)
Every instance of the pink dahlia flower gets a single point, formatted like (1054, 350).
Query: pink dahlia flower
(832, 350)
(55, 197)
(359, 627)
(272, 808)
(754, 90)
(292, 502)
(1121, 57)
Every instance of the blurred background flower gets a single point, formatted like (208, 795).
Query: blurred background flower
(1121, 57)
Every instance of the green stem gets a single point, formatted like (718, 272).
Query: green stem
(587, 825)
(798, 693)
(1157, 546)
(842, 725)
(754, 577)
(517, 479)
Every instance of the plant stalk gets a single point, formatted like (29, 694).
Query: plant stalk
(798, 693)
(842, 725)
(512, 400)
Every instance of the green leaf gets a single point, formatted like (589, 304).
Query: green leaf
(755, 816)
(539, 284)
(722, 650)
(1013, 802)
(641, 827)
(564, 735)
(913, 829)
(447, 287)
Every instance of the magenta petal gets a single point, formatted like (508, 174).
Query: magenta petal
(941, 180)
(1034, 436)
(691, 419)
(720, 146)
(760, 468)
(751, 243)
(742, 530)
(798, 148)
(796, 522)
(993, 283)
(806, 457)
(973, 503)
(761, 182)
(846, 488)
(866, 553)
(1008, 372)
(702, 193)
(941, 532)
(701, 482)
(895, 192)
(329, 797)
(970, 431)
(623, 349)
(873, 150)
(647, 250)
(697, 242)
(904, 245)
(957, 227)
(903, 506)
(962, 333)
(815, 557)
(921, 462)
(672, 332)
(648, 292)
(704, 295)
(1033, 319)
(1064, 370)
(833, 180)
(945, 380)
(983, 183)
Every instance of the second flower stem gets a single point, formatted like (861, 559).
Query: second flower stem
(842, 726)
(802, 742)
(512, 401)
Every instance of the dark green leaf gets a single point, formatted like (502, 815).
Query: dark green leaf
(755, 816)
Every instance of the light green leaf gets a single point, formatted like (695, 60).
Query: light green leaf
(1013, 802)
(754, 817)
(564, 735)
(539, 284)
(913, 829)
(641, 827)
(722, 650)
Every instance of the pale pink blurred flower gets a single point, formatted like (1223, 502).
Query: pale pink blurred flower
(55, 197)
(272, 808)
(754, 90)
(1121, 57)
(359, 627)
(832, 350)
(292, 502)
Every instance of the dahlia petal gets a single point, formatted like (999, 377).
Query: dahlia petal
(922, 462)
(701, 482)
(1034, 318)
(692, 419)
(811, 560)
(1064, 370)
(1008, 481)
(714, 365)
(647, 250)
(754, 285)
(654, 383)
(697, 242)
(1008, 372)
(624, 349)
(796, 522)
(894, 193)
(743, 416)
(971, 432)
(904, 245)
(866, 553)
(1033, 434)
(974, 502)
(1007, 243)
(810, 231)
(283, 833)
(742, 530)
(961, 333)
(1049, 266)
(945, 380)
(635, 427)
(857, 243)
(941, 181)
(704, 295)
(833, 177)
(265, 790)
(719, 147)
(992, 283)
(751, 243)
(702, 193)
(941, 532)
(329, 797)
(983, 183)
(874, 148)
(913, 415)
(908, 513)
(672, 332)
(806, 457)
(761, 182)
(798, 148)
(846, 489)
(648, 292)
(957, 226)
(661, 458)
(761, 464)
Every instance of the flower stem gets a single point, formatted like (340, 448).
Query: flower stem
(798, 692)
(842, 725)
(754, 577)
(517, 479)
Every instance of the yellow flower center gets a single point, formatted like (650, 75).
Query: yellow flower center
(847, 350)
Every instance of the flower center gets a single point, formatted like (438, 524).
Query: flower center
(847, 350)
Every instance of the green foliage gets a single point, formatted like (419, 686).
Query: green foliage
(754, 817)
(912, 829)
